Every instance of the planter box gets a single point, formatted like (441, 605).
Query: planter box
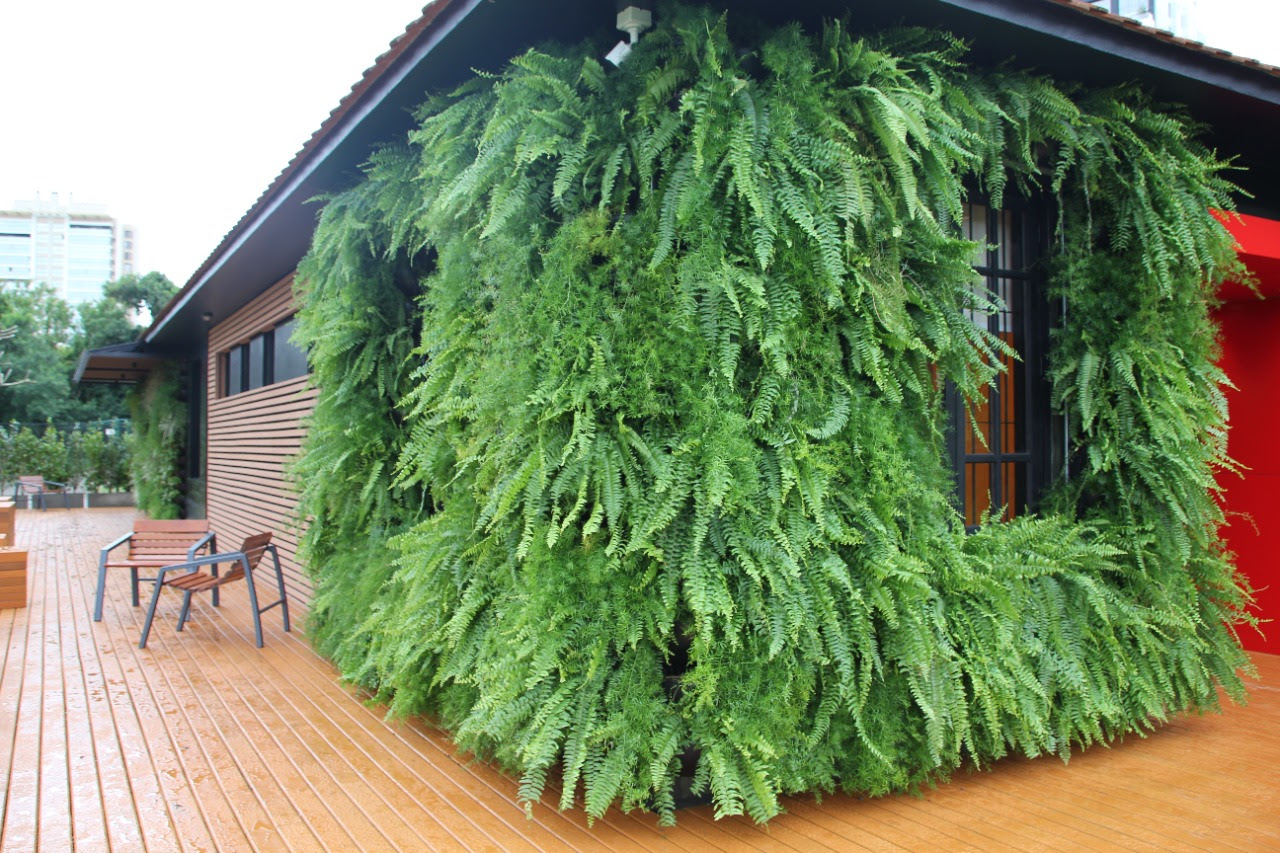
(8, 516)
(97, 499)
(13, 578)
(76, 500)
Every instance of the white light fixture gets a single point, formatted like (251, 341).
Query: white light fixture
(633, 21)
(620, 51)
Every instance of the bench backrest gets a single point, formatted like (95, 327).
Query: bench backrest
(31, 485)
(254, 547)
(165, 538)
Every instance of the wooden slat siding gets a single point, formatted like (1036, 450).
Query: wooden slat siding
(250, 437)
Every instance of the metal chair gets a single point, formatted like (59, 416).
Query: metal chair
(188, 578)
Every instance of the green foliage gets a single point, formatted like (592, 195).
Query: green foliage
(150, 292)
(23, 453)
(156, 445)
(656, 462)
(82, 456)
(48, 338)
(106, 459)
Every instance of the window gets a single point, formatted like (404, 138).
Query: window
(1002, 456)
(236, 375)
(265, 359)
(259, 365)
(290, 359)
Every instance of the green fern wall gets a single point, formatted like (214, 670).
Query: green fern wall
(156, 444)
(630, 447)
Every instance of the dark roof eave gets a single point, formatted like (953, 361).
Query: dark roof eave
(127, 362)
(1089, 26)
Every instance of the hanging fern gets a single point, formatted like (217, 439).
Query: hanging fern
(630, 437)
(157, 442)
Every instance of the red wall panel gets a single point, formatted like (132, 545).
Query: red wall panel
(1251, 357)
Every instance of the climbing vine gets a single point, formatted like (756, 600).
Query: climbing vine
(630, 448)
(156, 444)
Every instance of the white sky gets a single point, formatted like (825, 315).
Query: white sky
(178, 115)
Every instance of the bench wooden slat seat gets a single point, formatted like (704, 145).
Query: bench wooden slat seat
(189, 578)
(153, 544)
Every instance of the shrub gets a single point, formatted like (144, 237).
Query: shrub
(159, 433)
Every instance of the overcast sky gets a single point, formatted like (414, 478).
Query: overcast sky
(178, 115)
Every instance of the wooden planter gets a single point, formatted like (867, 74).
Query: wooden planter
(13, 578)
(8, 514)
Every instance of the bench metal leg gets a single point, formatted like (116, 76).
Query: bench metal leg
(253, 602)
(151, 614)
(186, 608)
(284, 600)
(102, 584)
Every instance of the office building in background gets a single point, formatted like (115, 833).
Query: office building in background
(73, 246)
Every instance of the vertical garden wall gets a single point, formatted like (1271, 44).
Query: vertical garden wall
(630, 454)
(156, 445)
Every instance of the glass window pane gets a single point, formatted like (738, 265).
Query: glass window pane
(235, 372)
(977, 492)
(256, 349)
(975, 229)
(290, 360)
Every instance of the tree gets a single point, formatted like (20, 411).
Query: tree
(150, 292)
(6, 372)
(48, 336)
(39, 351)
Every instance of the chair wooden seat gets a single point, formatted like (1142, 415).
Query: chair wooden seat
(197, 581)
(190, 578)
(153, 544)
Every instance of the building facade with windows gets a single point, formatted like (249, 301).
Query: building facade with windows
(74, 247)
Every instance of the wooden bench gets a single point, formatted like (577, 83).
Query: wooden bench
(36, 486)
(153, 545)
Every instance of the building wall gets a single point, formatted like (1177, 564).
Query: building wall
(251, 436)
(1251, 358)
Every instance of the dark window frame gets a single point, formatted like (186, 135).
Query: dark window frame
(1029, 316)
(255, 361)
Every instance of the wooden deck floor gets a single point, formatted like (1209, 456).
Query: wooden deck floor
(202, 742)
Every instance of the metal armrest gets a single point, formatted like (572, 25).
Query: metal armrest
(55, 483)
(206, 540)
(116, 544)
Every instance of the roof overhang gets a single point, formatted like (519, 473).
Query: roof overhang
(127, 363)
(1238, 100)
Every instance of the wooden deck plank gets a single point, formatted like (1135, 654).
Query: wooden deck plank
(171, 816)
(344, 806)
(22, 804)
(203, 742)
(13, 628)
(88, 818)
